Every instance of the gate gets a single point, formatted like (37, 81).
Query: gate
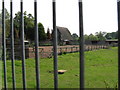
(81, 46)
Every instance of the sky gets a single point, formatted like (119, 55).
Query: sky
(98, 15)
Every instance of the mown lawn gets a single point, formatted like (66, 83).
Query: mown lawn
(101, 68)
(0, 74)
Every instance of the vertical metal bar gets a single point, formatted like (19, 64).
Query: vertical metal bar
(12, 44)
(4, 44)
(55, 47)
(118, 6)
(23, 46)
(81, 32)
(36, 47)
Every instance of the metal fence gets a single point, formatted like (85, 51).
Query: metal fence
(81, 46)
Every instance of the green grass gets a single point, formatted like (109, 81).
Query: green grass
(0, 70)
(101, 68)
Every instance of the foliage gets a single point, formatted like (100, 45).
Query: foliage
(100, 35)
(90, 37)
(7, 15)
(42, 35)
(7, 22)
(0, 18)
(75, 36)
(101, 70)
(112, 35)
(48, 34)
(17, 25)
(28, 27)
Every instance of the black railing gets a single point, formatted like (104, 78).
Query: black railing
(118, 6)
(81, 46)
(81, 31)
(4, 44)
(22, 45)
(36, 46)
(12, 45)
(55, 47)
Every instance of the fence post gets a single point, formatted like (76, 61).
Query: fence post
(71, 49)
(4, 44)
(118, 6)
(23, 45)
(55, 47)
(81, 46)
(66, 49)
(36, 47)
(60, 49)
(12, 45)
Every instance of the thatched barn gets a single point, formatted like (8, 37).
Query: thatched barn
(64, 36)
(112, 42)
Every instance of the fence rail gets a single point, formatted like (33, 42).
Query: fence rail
(47, 51)
(55, 46)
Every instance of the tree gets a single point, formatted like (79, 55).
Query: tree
(90, 37)
(113, 35)
(42, 35)
(7, 22)
(0, 18)
(108, 36)
(86, 37)
(101, 35)
(29, 26)
(75, 36)
(93, 37)
(48, 34)
(17, 25)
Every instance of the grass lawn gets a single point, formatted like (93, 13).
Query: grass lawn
(101, 68)
(0, 75)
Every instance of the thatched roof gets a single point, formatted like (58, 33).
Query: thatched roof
(64, 33)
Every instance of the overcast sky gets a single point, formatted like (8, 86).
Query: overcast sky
(98, 15)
